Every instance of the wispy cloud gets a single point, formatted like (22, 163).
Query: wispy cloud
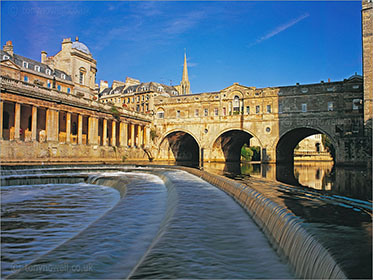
(184, 23)
(280, 29)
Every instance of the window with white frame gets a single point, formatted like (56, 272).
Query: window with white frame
(5, 57)
(81, 77)
(37, 68)
(48, 71)
(206, 112)
(216, 111)
(63, 76)
(269, 109)
(236, 104)
(304, 107)
(48, 84)
(248, 110)
(25, 64)
(25, 78)
(330, 106)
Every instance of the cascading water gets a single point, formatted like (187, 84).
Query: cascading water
(170, 224)
(167, 224)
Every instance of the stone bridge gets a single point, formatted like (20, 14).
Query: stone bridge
(214, 126)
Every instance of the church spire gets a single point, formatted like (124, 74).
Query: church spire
(185, 85)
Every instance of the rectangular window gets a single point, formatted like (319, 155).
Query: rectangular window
(304, 107)
(196, 112)
(25, 78)
(63, 76)
(160, 115)
(269, 109)
(355, 104)
(206, 111)
(224, 111)
(216, 112)
(137, 108)
(280, 109)
(37, 68)
(81, 78)
(248, 110)
(48, 84)
(178, 114)
(68, 90)
(48, 71)
(330, 106)
(59, 87)
(257, 109)
(25, 64)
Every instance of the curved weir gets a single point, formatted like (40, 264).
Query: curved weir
(166, 223)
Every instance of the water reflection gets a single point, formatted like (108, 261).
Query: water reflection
(354, 182)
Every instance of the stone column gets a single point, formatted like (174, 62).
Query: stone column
(132, 135)
(1, 119)
(52, 125)
(123, 134)
(147, 136)
(113, 136)
(34, 124)
(92, 131)
(80, 129)
(141, 135)
(68, 127)
(17, 121)
(104, 132)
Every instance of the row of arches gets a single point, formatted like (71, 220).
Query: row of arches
(183, 146)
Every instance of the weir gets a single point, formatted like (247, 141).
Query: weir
(169, 209)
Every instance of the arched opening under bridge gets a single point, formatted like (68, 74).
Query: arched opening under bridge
(180, 146)
(303, 147)
(236, 145)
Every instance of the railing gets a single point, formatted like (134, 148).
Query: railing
(35, 90)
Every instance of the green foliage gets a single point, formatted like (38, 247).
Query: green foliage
(328, 145)
(114, 111)
(250, 153)
(153, 134)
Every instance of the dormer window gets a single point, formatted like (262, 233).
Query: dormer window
(25, 64)
(48, 72)
(160, 89)
(37, 68)
(63, 76)
(5, 57)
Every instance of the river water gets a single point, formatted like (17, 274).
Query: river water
(118, 222)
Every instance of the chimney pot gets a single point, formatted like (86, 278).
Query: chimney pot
(77, 38)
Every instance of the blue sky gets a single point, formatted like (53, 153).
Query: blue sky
(252, 43)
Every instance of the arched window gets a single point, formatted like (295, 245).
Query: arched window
(160, 114)
(236, 104)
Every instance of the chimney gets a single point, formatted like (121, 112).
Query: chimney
(328, 80)
(76, 38)
(103, 85)
(8, 47)
(43, 57)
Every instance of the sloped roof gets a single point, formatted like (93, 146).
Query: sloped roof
(18, 60)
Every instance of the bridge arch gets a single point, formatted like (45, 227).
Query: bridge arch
(179, 145)
(227, 145)
(287, 141)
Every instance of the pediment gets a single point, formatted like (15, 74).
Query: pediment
(10, 64)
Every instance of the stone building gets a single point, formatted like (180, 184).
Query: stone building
(76, 60)
(367, 41)
(47, 114)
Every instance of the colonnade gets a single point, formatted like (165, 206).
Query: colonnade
(36, 123)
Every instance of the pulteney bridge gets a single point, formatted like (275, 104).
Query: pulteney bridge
(214, 126)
